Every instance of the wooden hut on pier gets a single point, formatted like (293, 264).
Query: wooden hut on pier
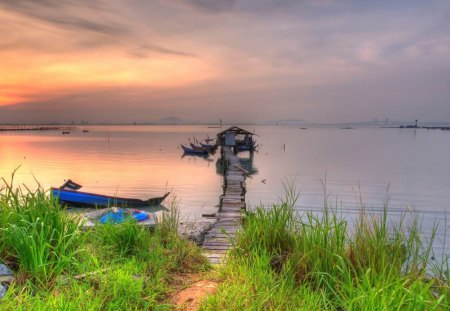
(237, 138)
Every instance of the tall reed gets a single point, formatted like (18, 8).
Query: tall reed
(123, 267)
(283, 260)
(121, 240)
(36, 235)
(185, 256)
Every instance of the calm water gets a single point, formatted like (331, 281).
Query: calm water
(145, 161)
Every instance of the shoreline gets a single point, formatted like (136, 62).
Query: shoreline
(273, 247)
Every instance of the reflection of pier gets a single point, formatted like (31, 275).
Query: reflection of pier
(246, 163)
(15, 127)
(217, 239)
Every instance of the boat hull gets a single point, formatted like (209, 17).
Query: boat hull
(194, 152)
(78, 198)
(208, 147)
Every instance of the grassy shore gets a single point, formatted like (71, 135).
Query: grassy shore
(281, 261)
(286, 261)
(58, 266)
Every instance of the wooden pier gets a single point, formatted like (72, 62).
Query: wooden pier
(231, 208)
(24, 127)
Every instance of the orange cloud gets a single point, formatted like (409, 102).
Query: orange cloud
(26, 74)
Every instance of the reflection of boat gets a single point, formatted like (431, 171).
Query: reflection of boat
(193, 151)
(73, 197)
(203, 156)
(346, 128)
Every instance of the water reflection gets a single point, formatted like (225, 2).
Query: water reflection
(246, 163)
(145, 161)
(123, 161)
(201, 156)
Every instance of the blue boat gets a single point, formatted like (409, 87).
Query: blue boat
(68, 194)
(120, 215)
(192, 151)
(197, 148)
(209, 147)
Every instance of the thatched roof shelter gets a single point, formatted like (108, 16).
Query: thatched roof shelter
(234, 136)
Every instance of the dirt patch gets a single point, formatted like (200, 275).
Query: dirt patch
(189, 299)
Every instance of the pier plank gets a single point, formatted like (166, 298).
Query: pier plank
(217, 240)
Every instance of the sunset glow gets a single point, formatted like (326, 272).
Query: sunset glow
(26, 76)
(313, 60)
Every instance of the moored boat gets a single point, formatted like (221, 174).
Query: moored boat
(208, 147)
(194, 151)
(197, 148)
(73, 197)
(118, 216)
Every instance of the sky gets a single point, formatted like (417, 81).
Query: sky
(235, 60)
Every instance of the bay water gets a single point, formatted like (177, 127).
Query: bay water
(352, 169)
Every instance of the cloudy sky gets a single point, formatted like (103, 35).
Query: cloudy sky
(236, 60)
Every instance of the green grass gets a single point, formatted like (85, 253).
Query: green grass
(125, 240)
(281, 261)
(286, 261)
(36, 235)
(111, 267)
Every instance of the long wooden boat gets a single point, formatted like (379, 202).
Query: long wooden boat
(197, 148)
(78, 198)
(193, 151)
(209, 147)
